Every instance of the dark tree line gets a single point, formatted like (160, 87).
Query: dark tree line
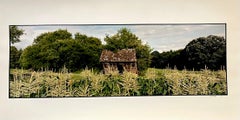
(204, 52)
(170, 59)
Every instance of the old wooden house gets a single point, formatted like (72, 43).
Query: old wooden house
(122, 60)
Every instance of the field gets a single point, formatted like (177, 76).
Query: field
(46, 83)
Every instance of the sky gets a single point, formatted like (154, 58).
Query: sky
(160, 37)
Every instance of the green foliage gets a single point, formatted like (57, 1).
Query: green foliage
(169, 59)
(15, 34)
(54, 50)
(31, 58)
(14, 57)
(92, 48)
(126, 39)
(50, 37)
(14, 37)
(206, 51)
(156, 61)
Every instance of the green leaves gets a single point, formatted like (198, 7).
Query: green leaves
(14, 57)
(15, 34)
(53, 50)
(206, 51)
(49, 37)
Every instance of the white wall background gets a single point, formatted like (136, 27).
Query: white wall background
(25, 12)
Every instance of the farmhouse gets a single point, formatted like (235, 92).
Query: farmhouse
(122, 60)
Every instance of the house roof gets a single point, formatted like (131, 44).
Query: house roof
(124, 55)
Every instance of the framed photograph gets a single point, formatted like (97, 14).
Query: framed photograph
(119, 60)
(103, 60)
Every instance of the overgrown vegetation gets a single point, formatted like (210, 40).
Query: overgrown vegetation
(47, 83)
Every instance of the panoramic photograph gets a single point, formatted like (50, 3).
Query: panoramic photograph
(104, 60)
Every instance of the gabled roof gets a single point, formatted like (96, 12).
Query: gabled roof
(124, 55)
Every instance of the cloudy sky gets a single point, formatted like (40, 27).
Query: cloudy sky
(161, 37)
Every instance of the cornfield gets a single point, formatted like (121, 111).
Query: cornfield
(46, 83)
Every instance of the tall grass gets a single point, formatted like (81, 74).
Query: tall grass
(89, 83)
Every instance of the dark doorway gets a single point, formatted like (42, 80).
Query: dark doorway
(120, 68)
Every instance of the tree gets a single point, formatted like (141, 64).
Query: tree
(54, 50)
(206, 52)
(31, 57)
(14, 57)
(126, 39)
(49, 37)
(15, 34)
(44, 51)
(155, 61)
(92, 50)
(15, 54)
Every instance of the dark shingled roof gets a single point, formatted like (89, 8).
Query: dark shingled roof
(124, 55)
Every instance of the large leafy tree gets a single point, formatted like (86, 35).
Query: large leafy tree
(124, 38)
(207, 52)
(44, 53)
(57, 49)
